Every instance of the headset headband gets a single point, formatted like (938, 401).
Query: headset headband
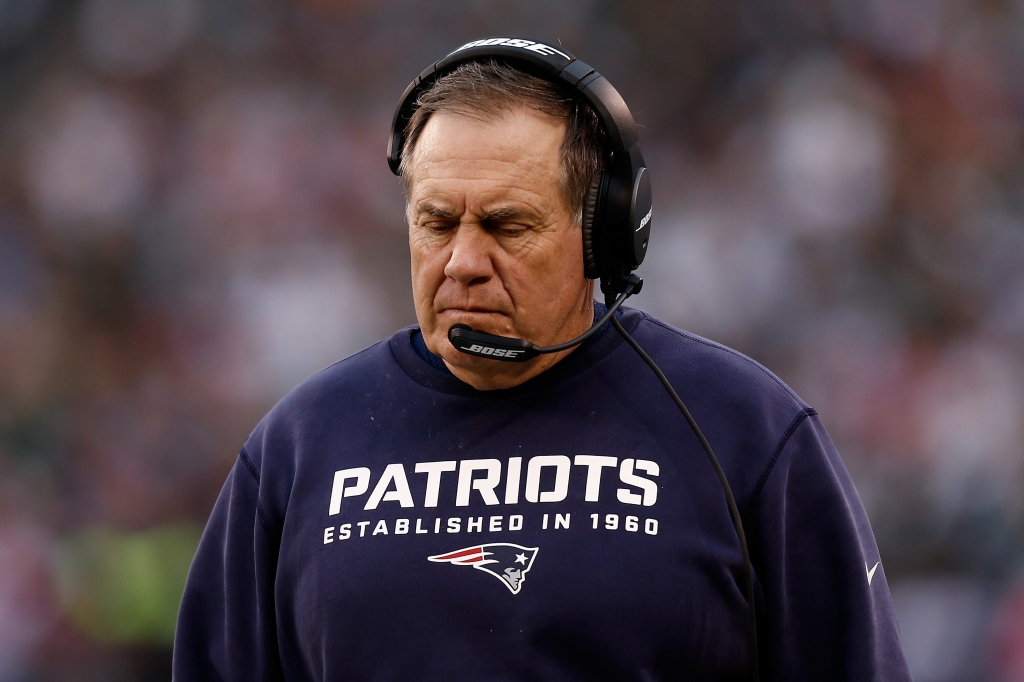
(622, 213)
(542, 60)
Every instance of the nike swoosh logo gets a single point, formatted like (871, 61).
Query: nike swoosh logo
(871, 571)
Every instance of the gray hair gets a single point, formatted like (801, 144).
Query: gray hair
(487, 89)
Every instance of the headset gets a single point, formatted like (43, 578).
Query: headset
(616, 222)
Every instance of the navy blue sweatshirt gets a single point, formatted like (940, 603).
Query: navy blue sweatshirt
(386, 521)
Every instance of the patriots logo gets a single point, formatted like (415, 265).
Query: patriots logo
(507, 562)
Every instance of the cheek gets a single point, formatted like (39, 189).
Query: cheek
(560, 260)
(427, 267)
(546, 274)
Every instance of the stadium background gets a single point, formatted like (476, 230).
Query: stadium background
(196, 213)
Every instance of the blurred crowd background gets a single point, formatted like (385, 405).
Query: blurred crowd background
(196, 214)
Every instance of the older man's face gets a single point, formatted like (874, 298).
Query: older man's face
(493, 242)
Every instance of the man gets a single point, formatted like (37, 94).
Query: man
(419, 513)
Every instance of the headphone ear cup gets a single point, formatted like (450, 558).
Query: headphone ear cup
(588, 227)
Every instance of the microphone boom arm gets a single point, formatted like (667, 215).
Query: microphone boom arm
(482, 344)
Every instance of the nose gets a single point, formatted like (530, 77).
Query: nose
(470, 262)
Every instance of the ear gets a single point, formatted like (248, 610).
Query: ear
(590, 267)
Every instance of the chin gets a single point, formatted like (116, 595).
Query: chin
(487, 374)
(440, 346)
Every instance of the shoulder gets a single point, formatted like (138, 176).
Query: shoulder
(744, 410)
(716, 367)
(331, 396)
(367, 370)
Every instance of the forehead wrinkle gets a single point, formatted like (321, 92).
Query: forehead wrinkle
(500, 164)
(507, 201)
(477, 168)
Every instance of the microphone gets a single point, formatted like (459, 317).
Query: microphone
(484, 345)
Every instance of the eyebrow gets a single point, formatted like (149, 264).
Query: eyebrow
(498, 214)
(434, 211)
(505, 213)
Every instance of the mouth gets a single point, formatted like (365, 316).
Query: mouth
(471, 311)
(480, 319)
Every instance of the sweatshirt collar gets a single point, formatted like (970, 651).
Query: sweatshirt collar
(436, 376)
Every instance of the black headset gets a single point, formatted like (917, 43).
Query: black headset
(616, 227)
(617, 211)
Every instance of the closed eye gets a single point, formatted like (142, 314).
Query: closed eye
(439, 224)
(505, 228)
(435, 218)
(507, 221)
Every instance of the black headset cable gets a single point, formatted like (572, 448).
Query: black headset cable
(608, 315)
(734, 511)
